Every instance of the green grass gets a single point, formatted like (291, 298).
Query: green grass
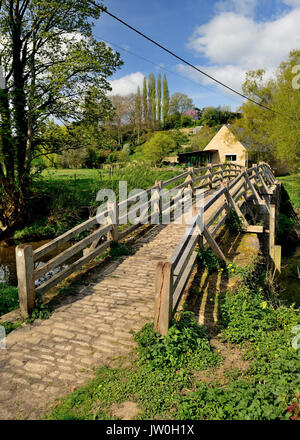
(9, 299)
(67, 196)
(165, 379)
(292, 185)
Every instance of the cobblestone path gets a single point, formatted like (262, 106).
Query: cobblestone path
(45, 360)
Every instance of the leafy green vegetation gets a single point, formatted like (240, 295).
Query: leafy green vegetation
(292, 185)
(67, 197)
(10, 326)
(233, 222)
(207, 258)
(165, 379)
(118, 249)
(9, 299)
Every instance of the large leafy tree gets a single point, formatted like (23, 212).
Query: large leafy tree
(50, 60)
(180, 103)
(272, 136)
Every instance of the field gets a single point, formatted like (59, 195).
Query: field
(65, 198)
(292, 185)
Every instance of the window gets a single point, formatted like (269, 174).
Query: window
(230, 157)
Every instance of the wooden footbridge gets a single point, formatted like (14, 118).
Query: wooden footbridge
(48, 358)
(225, 187)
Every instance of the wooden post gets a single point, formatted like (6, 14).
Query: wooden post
(163, 297)
(190, 179)
(114, 220)
(222, 173)
(156, 209)
(277, 257)
(25, 268)
(210, 176)
(272, 232)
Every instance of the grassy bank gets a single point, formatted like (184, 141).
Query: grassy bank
(292, 185)
(185, 375)
(68, 197)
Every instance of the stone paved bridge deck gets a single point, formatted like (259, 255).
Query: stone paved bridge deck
(44, 360)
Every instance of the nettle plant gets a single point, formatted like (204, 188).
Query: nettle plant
(234, 222)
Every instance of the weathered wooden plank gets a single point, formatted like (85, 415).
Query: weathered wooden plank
(184, 280)
(215, 215)
(251, 186)
(218, 225)
(67, 236)
(272, 231)
(257, 229)
(68, 253)
(177, 254)
(163, 297)
(213, 244)
(277, 257)
(234, 206)
(180, 267)
(70, 269)
(174, 179)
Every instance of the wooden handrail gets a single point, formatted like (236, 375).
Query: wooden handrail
(91, 245)
(180, 265)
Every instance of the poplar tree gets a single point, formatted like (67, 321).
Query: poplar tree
(151, 96)
(138, 112)
(159, 98)
(145, 102)
(166, 100)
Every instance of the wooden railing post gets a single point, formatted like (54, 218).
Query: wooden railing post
(272, 232)
(190, 179)
(163, 297)
(156, 208)
(210, 176)
(25, 268)
(114, 220)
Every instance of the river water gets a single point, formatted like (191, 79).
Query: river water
(8, 271)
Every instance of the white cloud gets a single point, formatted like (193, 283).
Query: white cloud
(294, 3)
(234, 44)
(127, 84)
(244, 7)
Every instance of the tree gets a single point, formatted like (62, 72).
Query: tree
(152, 98)
(166, 100)
(193, 113)
(180, 103)
(145, 102)
(138, 113)
(272, 136)
(159, 98)
(158, 147)
(50, 59)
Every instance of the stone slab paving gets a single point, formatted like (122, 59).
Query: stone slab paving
(45, 360)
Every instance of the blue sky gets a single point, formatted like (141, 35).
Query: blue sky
(225, 38)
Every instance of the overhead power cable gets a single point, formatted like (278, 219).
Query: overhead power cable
(103, 9)
(156, 64)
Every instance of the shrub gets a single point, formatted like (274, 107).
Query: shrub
(185, 344)
(9, 299)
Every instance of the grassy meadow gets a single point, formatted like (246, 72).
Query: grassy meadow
(66, 197)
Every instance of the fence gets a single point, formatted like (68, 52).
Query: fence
(173, 275)
(100, 238)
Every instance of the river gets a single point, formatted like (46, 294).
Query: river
(8, 271)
